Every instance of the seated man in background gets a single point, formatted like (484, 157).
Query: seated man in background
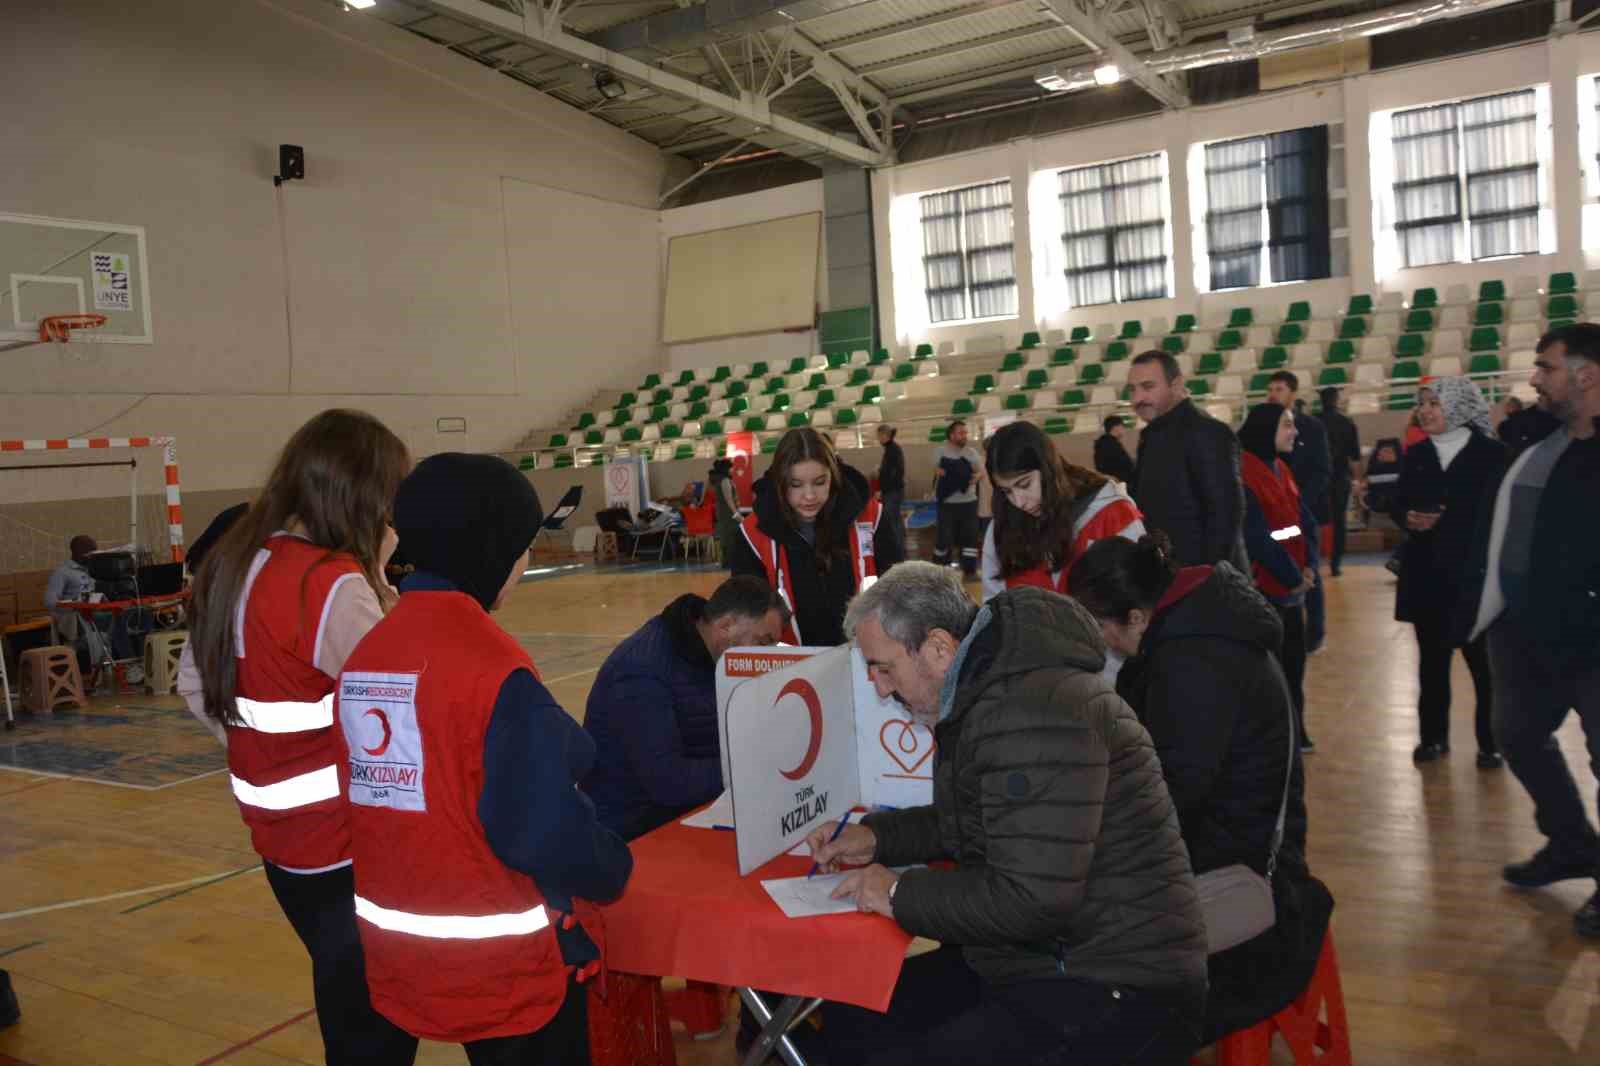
(653, 709)
(1071, 927)
(72, 583)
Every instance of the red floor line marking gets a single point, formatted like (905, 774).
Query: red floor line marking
(257, 1038)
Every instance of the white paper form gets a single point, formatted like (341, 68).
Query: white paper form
(717, 816)
(808, 897)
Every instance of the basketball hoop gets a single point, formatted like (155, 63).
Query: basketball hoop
(60, 327)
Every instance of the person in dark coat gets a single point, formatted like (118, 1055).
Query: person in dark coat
(892, 491)
(1524, 427)
(1344, 455)
(1110, 457)
(1187, 478)
(1438, 500)
(812, 535)
(1071, 928)
(1203, 676)
(653, 709)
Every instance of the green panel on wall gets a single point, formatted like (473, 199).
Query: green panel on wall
(845, 330)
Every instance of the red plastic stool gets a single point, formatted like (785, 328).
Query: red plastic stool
(701, 1007)
(1313, 1040)
(629, 1026)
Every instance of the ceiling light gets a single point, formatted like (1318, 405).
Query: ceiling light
(609, 86)
(360, 5)
(1051, 81)
(1107, 75)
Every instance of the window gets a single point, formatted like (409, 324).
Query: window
(1267, 208)
(1467, 172)
(1114, 232)
(966, 253)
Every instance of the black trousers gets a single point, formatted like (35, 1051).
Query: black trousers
(564, 1040)
(322, 909)
(1532, 695)
(1292, 657)
(958, 531)
(1435, 649)
(892, 524)
(1339, 501)
(943, 1014)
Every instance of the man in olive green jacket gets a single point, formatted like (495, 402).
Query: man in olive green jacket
(1069, 922)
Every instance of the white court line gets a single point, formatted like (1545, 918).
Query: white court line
(113, 784)
(568, 677)
(147, 890)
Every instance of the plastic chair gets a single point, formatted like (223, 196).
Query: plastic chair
(50, 677)
(162, 650)
(1314, 1026)
(699, 530)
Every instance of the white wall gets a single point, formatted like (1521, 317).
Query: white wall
(1030, 163)
(763, 206)
(461, 246)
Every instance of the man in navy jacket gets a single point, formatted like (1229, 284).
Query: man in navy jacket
(653, 708)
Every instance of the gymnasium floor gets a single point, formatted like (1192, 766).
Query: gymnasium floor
(138, 928)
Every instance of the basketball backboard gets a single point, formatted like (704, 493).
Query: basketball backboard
(58, 266)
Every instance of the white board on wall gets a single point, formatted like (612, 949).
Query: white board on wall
(759, 278)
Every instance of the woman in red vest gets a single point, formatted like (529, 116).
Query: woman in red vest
(1283, 559)
(1046, 512)
(812, 536)
(278, 605)
(475, 852)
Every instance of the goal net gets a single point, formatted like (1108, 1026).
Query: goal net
(122, 491)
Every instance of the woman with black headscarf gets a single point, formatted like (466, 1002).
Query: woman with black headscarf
(1437, 501)
(1283, 557)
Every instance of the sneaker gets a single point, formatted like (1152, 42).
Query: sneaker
(1546, 868)
(1490, 760)
(1429, 752)
(1393, 566)
(1587, 920)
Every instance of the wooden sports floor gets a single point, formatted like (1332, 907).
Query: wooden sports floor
(138, 928)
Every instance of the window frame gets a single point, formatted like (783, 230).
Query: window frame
(966, 253)
(1111, 265)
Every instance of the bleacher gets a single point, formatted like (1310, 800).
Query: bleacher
(1068, 381)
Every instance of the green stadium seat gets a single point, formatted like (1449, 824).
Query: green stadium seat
(1018, 401)
(903, 372)
(963, 406)
(1126, 394)
(1229, 339)
(872, 394)
(650, 381)
(1057, 426)
(1174, 343)
(770, 444)
(1074, 398)
(1560, 323)
(779, 401)
(683, 451)
(981, 384)
(627, 399)
(1492, 291)
(799, 419)
(1484, 339)
(859, 376)
(1116, 351)
(1199, 387)
(816, 381)
(721, 374)
(698, 410)
(1424, 299)
(936, 435)
(1419, 321)
(1407, 369)
(923, 351)
(1036, 379)
(798, 365)
(621, 416)
(824, 398)
(738, 405)
(1410, 346)
(557, 440)
(838, 359)
(1030, 339)
(879, 357)
(671, 430)
(1484, 363)
(1130, 329)
(659, 413)
(632, 434)
(1352, 328)
(1091, 374)
(594, 436)
(845, 416)
(1341, 352)
(1299, 311)
(1562, 307)
(1258, 383)
(699, 392)
(736, 388)
(1210, 363)
(1185, 324)
(685, 378)
(775, 385)
(585, 420)
(563, 461)
(711, 427)
(527, 462)
(1013, 361)
(661, 396)
(1488, 314)
(1241, 318)
(757, 370)
(1291, 333)
(1273, 358)
(1080, 335)
(1063, 357)
(1360, 305)
(1403, 396)
(1563, 282)
(1332, 375)
(755, 423)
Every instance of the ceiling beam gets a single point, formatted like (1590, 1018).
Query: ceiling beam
(1098, 36)
(958, 47)
(913, 25)
(534, 28)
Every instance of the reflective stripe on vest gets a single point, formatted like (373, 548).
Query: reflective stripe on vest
(453, 926)
(300, 791)
(285, 716)
(1286, 533)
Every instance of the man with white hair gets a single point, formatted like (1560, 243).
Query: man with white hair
(1070, 920)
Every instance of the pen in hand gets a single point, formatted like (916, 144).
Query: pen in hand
(836, 831)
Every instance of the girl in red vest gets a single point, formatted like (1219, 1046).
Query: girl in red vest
(278, 605)
(812, 536)
(1283, 558)
(475, 852)
(1046, 512)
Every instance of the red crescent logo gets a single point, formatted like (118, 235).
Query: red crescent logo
(802, 688)
(383, 720)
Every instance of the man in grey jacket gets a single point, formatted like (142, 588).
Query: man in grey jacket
(1071, 926)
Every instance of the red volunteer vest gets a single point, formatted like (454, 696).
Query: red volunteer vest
(458, 945)
(1109, 521)
(285, 759)
(776, 559)
(1279, 499)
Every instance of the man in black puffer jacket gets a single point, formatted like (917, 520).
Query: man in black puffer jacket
(1070, 921)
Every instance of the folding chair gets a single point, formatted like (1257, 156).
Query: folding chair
(558, 517)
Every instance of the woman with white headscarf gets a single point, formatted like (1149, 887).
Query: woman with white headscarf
(1437, 502)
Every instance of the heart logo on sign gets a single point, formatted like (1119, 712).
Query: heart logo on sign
(619, 478)
(905, 743)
